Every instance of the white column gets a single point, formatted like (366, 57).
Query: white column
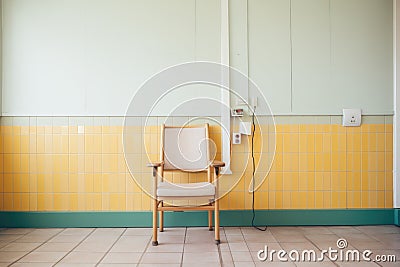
(1, 57)
(225, 95)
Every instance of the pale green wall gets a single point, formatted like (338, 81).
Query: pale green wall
(349, 63)
(238, 45)
(270, 51)
(320, 56)
(312, 58)
(85, 57)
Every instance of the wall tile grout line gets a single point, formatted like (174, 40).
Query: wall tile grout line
(60, 192)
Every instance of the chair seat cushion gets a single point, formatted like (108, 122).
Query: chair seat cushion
(166, 189)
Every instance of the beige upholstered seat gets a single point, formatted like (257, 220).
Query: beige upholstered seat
(204, 189)
(185, 149)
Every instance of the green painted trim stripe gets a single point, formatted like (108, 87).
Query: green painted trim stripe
(312, 217)
(397, 217)
(190, 218)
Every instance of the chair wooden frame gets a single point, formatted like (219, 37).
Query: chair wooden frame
(158, 203)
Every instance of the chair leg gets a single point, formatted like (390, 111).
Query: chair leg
(210, 228)
(161, 221)
(155, 241)
(216, 224)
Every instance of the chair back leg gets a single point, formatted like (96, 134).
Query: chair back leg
(210, 227)
(161, 221)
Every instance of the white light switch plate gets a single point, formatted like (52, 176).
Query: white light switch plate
(81, 129)
(351, 117)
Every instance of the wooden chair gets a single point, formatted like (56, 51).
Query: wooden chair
(185, 149)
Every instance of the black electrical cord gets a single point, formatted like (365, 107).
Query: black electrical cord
(253, 175)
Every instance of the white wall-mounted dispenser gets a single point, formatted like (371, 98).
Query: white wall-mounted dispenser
(245, 127)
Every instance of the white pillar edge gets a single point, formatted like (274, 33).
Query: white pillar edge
(396, 104)
(225, 95)
(1, 58)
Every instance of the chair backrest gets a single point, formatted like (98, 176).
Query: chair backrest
(185, 148)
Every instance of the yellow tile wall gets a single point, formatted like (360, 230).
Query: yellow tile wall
(316, 166)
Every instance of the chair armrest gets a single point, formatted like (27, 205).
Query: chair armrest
(217, 164)
(155, 164)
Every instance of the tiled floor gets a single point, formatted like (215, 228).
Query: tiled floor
(189, 246)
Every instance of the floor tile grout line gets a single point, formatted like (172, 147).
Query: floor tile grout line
(183, 248)
(25, 234)
(248, 248)
(315, 245)
(318, 242)
(367, 234)
(272, 233)
(45, 242)
(220, 256)
(221, 262)
(27, 252)
(69, 252)
(144, 251)
(244, 240)
(5, 234)
(359, 231)
(280, 243)
(111, 247)
(14, 241)
(32, 249)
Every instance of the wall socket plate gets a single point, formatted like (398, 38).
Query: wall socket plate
(236, 138)
(351, 117)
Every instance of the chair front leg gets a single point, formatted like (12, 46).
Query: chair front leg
(216, 215)
(155, 207)
(155, 204)
(216, 207)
